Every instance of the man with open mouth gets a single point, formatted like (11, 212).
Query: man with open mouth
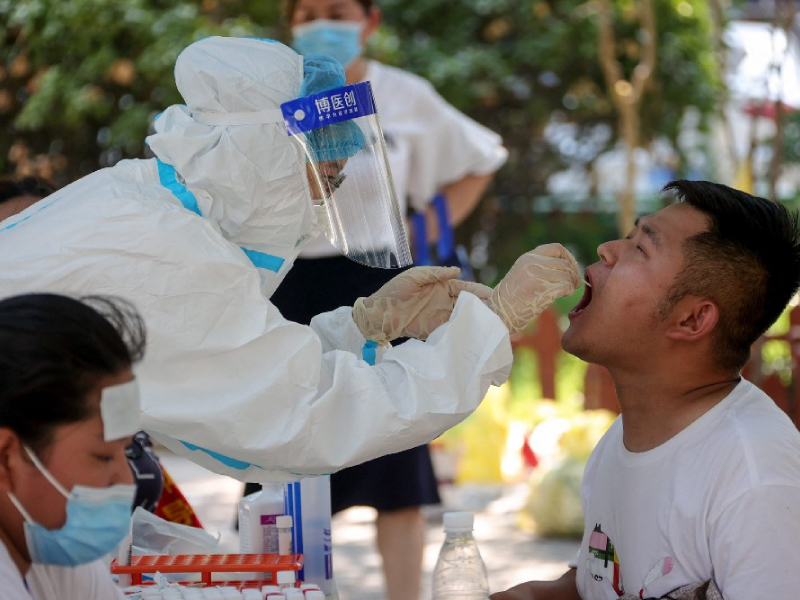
(694, 491)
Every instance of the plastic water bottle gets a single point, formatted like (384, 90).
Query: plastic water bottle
(459, 573)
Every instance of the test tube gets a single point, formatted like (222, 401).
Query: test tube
(270, 589)
(285, 579)
(315, 595)
(284, 526)
(307, 587)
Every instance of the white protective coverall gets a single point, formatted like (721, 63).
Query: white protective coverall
(198, 239)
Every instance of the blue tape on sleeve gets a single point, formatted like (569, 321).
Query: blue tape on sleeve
(262, 260)
(23, 219)
(225, 460)
(369, 352)
(167, 177)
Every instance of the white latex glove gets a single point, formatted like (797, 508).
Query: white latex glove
(537, 278)
(413, 303)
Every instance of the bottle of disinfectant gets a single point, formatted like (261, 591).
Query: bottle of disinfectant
(258, 516)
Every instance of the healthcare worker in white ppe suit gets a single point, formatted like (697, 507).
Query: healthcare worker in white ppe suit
(199, 238)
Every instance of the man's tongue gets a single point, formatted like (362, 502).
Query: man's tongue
(584, 301)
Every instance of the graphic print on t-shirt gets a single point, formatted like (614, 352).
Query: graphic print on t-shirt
(603, 563)
(661, 568)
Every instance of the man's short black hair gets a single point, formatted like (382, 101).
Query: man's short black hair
(747, 262)
(38, 187)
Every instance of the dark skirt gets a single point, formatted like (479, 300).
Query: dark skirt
(402, 480)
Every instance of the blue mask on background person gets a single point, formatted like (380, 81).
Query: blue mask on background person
(339, 39)
(97, 520)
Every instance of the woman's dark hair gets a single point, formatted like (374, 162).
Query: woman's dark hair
(53, 351)
(38, 187)
(290, 5)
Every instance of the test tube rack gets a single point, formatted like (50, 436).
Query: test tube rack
(208, 564)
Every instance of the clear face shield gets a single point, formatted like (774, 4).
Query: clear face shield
(348, 174)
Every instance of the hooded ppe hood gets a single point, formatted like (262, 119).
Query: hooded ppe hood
(249, 179)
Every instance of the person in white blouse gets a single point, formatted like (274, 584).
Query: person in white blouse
(433, 150)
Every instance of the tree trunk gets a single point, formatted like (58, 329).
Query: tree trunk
(784, 17)
(627, 95)
(630, 127)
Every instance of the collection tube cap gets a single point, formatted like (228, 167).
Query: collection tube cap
(458, 521)
(284, 521)
(314, 595)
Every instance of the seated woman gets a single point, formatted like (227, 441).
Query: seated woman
(68, 407)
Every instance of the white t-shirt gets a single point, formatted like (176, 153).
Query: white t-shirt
(429, 143)
(44, 582)
(719, 500)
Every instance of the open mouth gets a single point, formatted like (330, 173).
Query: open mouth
(585, 300)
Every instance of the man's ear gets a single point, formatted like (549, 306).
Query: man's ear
(9, 451)
(693, 319)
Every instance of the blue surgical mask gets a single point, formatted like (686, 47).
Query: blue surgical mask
(339, 39)
(97, 520)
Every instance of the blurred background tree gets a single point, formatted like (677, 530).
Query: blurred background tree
(81, 81)
(530, 70)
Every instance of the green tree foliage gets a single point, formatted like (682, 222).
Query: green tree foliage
(515, 63)
(81, 80)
